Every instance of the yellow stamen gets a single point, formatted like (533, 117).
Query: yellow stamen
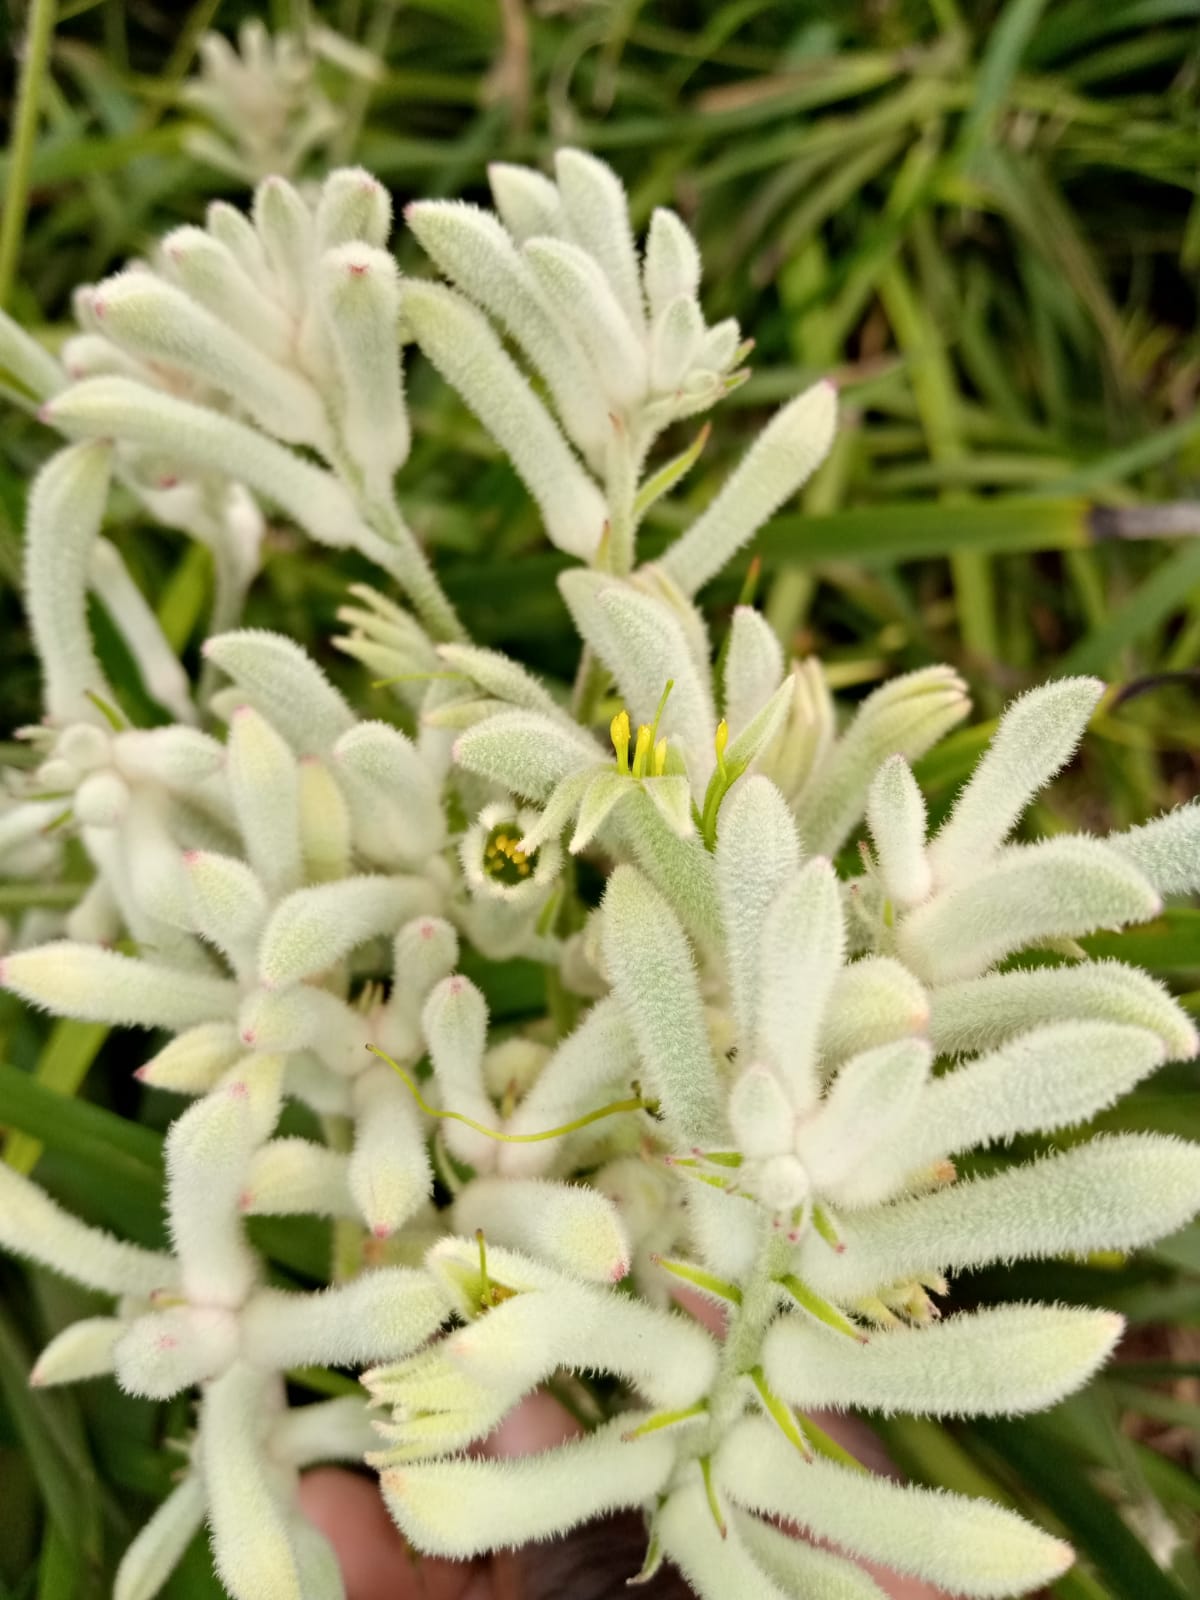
(660, 758)
(641, 751)
(618, 730)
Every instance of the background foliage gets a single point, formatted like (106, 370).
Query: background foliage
(984, 220)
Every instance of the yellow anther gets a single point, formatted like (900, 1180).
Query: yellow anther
(660, 758)
(641, 751)
(503, 858)
(618, 730)
(719, 743)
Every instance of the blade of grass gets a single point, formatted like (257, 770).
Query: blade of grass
(35, 58)
(1007, 39)
(937, 403)
(1168, 589)
(1090, 1520)
(61, 1067)
(48, 1426)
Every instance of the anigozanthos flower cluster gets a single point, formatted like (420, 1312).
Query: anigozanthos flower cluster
(757, 1076)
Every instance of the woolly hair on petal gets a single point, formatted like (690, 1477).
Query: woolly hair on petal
(326, 845)
(997, 1362)
(83, 1349)
(1113, 1193)
(873, 1001)
(666, 1356)
(327, 1430)
(672, 261)
(463, 1508)
(782, 458)
(527, 202)
(314, 928)
(896, 818)
(529, 754)
(600, 1055)
(353, 204)
(654, 979)
(570, 1226)
(753, 666)
(285, 686)
(905, 717)
(248, 1521)
(390, 771)
(227, 904)
(264, 786)
(715, 1562)
(168, 1351)
(208, 1152)
(359, 296)
(461, 344)
(381, 1315)
(799, 1566)
(66, 508)
(479, 257)
(1037, 736)
(1052, 1077)
(575, 285)
(675, 342)
(211, 274)
(981, 1013)
(296, 1176)
(454, 1023)
(757, 853)
(160, 1543)
(94, 985)
(802, 944)
(24, 359)
(160, 324)
(875, 1097)
(644, 647)
(968, 1546)
(389, 1174)
(1166, 851)
(1057, 889)
(32, 1225)
(197, 437)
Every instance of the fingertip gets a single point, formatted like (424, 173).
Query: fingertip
(376, 1563)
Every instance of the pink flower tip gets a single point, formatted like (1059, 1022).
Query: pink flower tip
(245, 1200)
(456, 984)
(140, 1073)
(190, 857)
(619, 1271)
(381, 1231)
(37, 1378)
(358, 269)
(239, 1091)
(427, 929)
(45, 413)
(248, 1036)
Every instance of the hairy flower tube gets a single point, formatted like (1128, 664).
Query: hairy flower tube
(771, 1068)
